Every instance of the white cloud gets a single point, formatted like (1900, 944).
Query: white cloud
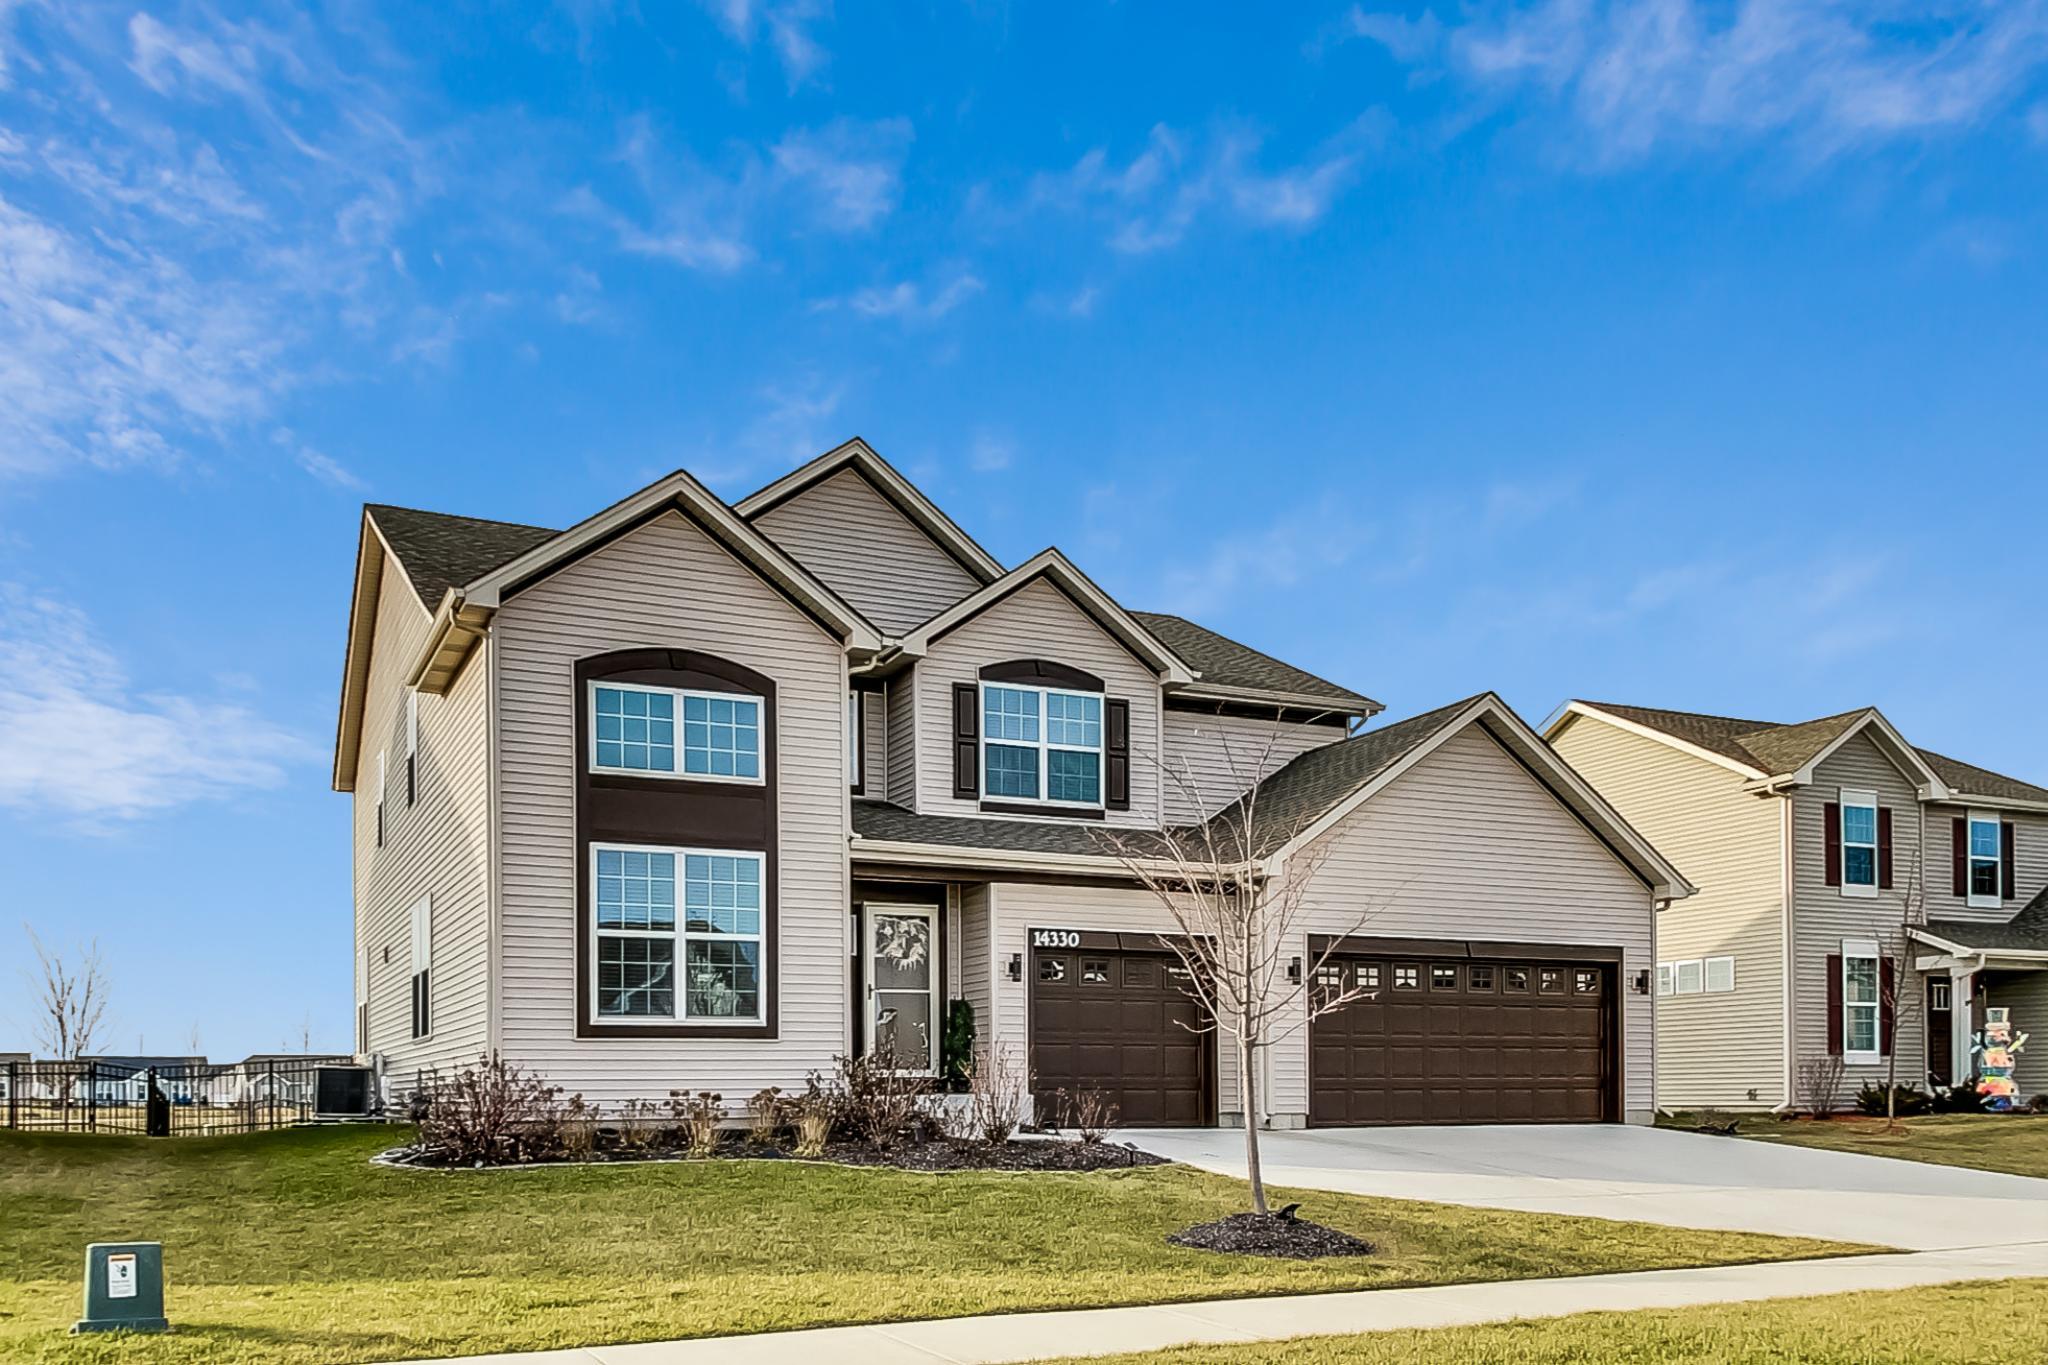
(78, 743)
(789, 27)
(854, 169)
(909, 302)
(321, 466)
(990, 453)
(1636, 74)
(1152, 201)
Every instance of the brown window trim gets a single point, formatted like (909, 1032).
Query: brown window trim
(676, 812)
(1033, 808)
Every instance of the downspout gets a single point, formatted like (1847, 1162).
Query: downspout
(1786, 873)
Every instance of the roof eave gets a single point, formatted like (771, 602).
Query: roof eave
(1202, 689)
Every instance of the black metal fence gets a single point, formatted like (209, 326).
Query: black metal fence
(159, 1101)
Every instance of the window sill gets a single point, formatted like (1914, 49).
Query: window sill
(675, 1029)
(1863, 1058)
(1984, 902)
(1858, 893)
(1037, 808)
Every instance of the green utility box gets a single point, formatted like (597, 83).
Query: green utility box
(124, 1288)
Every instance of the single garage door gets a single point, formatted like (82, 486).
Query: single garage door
(1119, 1022)
(1465, 1041)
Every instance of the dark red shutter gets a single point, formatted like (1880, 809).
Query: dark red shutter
(1116, 736)
(1834, 843)
(2009, 874)
(1834, 1004)
(966, 741)
(1960, 847)
(1884, 848)
(1888, 1005)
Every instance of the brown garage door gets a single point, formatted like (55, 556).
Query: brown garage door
(1465, 1041)
(1118, 1022)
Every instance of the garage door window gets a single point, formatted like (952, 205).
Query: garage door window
(1443, 978)
(1368, 976)
(1550, 980)
(1095, 971)
(1479, 978)
(1407, 978)
(1586, 981)
(1052, 969)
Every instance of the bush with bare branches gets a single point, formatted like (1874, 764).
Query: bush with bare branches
(1820, 1085)
(490, 1114)
(767, 1116)
(699, 1118)
(998, 1093)
(879, 1103)
(812, 1115)
(1089, 1112)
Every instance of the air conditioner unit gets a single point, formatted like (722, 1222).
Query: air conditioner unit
(342, 1092)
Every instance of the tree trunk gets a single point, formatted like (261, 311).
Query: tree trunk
(1248, 1092)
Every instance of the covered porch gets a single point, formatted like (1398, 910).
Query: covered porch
(1968, 968)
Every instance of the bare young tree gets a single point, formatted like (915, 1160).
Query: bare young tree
(1895, 973)
(69, 997)
(1238, 915)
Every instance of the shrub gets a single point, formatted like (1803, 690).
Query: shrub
(767, 1116)
(1908, 1100)
(878, 1103)
(998, 1093)
(578, 1129)
(1961, 1098)
(640, 1126)
(1089, 1113)
(699, 1117)
(956, 1044)
(490, 1114)
(813, 1113)
(1717, 1121)
(2038, 1104)
(1820, 1085)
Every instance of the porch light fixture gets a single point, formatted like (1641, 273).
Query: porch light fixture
(1294, 970)
(1016, 966)
(1641, 984)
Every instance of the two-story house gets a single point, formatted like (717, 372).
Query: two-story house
(1833, 859)
(697, 795)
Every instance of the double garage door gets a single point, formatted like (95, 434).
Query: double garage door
(1441, 1040)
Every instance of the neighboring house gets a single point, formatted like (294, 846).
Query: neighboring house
(125, 1080)
(697, 795)
(272, 1077)
(1823, 851)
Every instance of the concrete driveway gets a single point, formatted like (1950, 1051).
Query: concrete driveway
(1642, 1174)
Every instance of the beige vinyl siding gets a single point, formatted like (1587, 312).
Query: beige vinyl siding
(901, 712)
(1711, 1048)
(667, 585)
(2026, 995)
(1466, 844)
(2030, 863)
(1037, 621)
(438, 846)
(976, 982)
(1822, 916)
(874, 742)
(1211, 760)
(881, 561)
(1021, 907)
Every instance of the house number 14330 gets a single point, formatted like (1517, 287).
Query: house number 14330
(1055, 938)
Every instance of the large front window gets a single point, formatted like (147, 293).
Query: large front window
(652, 963)
(669, 732)
(1043, 745)
(1860, 993)
(1859, 843)
(1987, 865)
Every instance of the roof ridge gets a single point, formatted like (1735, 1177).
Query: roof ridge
(459, 516)
(1696, 715)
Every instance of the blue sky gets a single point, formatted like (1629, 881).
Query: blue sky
(1670, 353)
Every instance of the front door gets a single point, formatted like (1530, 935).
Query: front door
(1940, 1031)
(901, 958)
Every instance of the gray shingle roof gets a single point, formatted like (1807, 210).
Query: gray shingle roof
(1292, 798)
(1222, 660)
(1775, 748)
(2026, 930)
(440, 551)
(881, 820)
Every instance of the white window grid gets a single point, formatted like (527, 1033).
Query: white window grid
(1985, 857)
(1696, 976)
(729, 734)
(707, 907)
(1862, 1019)
(1045, 721)
(1859, 835)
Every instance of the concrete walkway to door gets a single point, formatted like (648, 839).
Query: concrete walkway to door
(1647, 1175)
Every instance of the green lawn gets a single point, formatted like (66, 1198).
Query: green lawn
(2014, 1143)
(1965, 1324)
(291, 1247)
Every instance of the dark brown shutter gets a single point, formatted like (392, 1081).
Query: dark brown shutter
(1888, 1005)
(1834, 1004)
(1960, 848)
(966, 741)
(1884, 848)
(1834, 843)
(1116, 745)
(2009, 882)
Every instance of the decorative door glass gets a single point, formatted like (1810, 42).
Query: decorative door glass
(901, 977)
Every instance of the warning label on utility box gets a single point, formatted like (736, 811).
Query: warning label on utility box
(121, 1275)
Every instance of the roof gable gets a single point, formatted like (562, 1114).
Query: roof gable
(1053, 567)
(859, 457)
(439, 551)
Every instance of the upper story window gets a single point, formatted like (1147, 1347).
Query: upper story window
(669, 732)
(1041, 744)
(1859, 843)
(1987, 861)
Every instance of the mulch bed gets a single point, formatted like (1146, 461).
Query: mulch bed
(938, 1154)
(1270, 1234)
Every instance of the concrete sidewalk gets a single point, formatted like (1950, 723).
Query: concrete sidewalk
(1000, 1338)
